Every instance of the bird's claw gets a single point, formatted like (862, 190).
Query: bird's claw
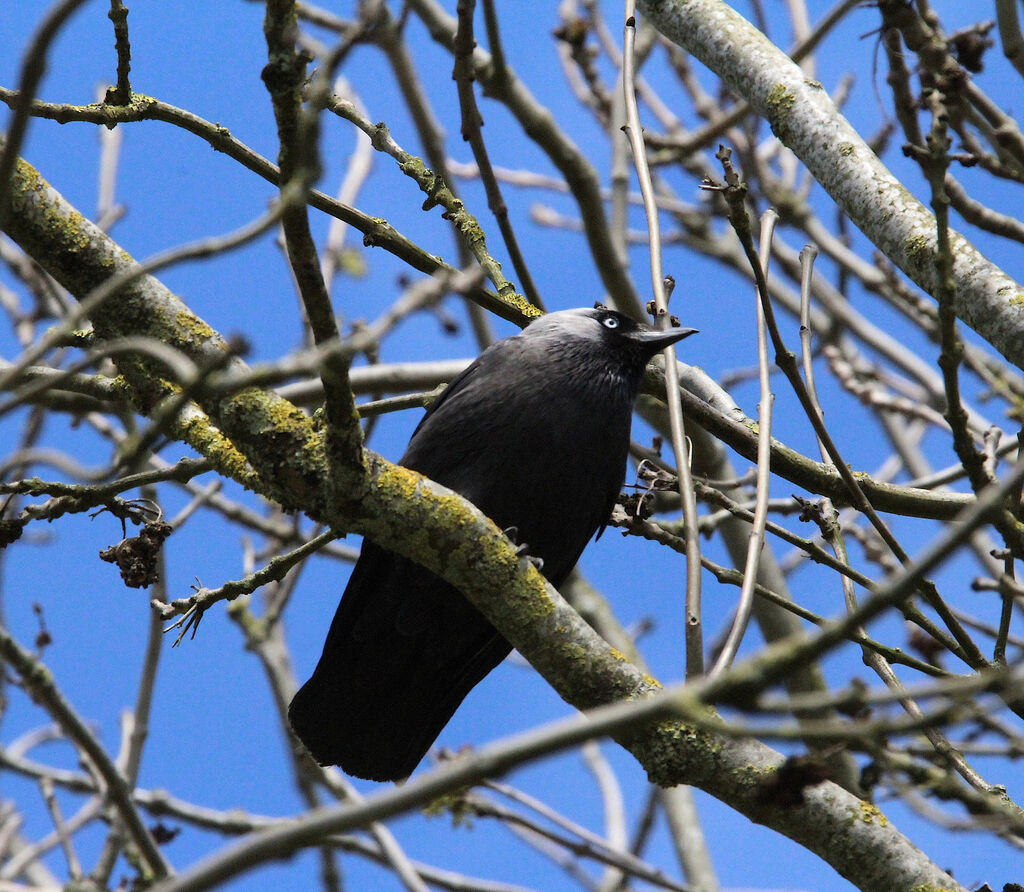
(522, 551)
(523, 548)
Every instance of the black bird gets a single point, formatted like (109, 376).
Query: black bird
(535, 433)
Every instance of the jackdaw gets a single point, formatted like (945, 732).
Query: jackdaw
(535, 433)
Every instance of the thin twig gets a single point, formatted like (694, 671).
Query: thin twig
(694, 626)
(764, 451)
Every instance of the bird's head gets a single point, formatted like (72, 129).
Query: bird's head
(603, 334)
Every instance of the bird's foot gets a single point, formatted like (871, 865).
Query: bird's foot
(536, 561)
(522, 548)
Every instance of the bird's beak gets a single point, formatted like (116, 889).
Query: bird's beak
(654, 340)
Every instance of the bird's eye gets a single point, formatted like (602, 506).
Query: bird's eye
(610, 322)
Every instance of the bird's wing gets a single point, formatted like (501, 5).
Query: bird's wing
(456, 384)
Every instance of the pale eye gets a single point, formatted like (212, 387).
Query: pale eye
(610, 322)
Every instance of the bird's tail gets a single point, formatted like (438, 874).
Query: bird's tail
(403, 651)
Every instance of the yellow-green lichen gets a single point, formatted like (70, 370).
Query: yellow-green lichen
(286, 416)
(399, 483)
(522, 305)
(780, 99)
(918, 251)
(778, 104)
(212, 444)
(575, 652)
(650, 680)
(869, 814)
(667, 752)
(195, 326)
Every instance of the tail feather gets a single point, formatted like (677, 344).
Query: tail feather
(403, 651)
